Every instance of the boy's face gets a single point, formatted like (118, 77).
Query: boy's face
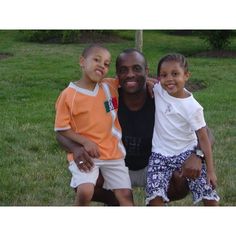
(132, 72)
(96, 64)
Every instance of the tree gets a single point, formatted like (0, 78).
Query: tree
(139, 40)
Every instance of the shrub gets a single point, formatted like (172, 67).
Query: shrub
(217, 39)
(49, 36)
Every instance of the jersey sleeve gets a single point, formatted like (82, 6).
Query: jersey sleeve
(62, 118)
(197, 119)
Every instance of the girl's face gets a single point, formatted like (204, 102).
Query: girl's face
(95, 65)
(173, 78)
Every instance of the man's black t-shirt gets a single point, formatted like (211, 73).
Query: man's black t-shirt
(137, 131)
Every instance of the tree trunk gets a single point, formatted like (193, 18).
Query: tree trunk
(139, 40)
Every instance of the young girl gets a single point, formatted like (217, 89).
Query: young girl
(179, 126)
(86, 112)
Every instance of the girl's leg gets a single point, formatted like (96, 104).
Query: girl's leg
(157, 201)
(84, 194)
(124, 196)
(210, 202)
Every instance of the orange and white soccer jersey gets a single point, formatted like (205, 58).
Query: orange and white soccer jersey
(92, 114)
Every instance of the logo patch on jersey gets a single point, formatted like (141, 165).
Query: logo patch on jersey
(111, 104)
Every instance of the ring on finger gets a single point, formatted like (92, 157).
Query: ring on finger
(81, 162)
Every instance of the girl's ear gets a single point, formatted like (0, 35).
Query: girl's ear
(187, 75)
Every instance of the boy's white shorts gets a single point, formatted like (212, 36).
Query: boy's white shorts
(114, 172)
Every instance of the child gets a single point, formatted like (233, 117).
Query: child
(179, 126)
(86, 112)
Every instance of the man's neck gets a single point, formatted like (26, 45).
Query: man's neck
(135, 101)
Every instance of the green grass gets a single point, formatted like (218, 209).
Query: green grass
(34, 169)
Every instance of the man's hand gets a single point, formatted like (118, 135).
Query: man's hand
(82, 159)
(150, 84)
(192, 167)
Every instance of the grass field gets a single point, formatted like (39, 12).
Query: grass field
(32, 166)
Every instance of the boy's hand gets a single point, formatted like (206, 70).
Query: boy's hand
(212, 179)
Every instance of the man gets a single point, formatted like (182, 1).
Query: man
(136, 117)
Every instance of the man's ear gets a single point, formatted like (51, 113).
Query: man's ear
(147, 71)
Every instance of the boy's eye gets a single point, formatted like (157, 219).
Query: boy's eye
(107, 65)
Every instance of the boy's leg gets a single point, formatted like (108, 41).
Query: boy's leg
(103, 195)
(117, 178)
(124, 196)
(84, 194)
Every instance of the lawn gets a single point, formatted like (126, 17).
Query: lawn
(34, 169)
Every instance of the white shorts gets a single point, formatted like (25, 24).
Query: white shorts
(114, 172)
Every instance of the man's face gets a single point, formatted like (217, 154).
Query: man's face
(132, 72)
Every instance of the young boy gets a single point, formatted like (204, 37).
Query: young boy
(86, 112)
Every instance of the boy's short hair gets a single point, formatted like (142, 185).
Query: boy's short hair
(90, 47)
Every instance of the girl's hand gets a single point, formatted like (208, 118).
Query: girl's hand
(91, 148)
(212, 179)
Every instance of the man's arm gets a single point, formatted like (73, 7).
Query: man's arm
(78, 151)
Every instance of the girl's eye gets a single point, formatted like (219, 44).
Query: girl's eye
(162, 75)
(107, 65)
(174, 74)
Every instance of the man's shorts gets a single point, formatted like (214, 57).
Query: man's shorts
(159, 173)
(138, 177)
(114, 172)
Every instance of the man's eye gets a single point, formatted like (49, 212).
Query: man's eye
(122, 70)
(137, 68)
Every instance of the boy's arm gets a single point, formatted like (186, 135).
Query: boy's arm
(79, 153)
(89, 146)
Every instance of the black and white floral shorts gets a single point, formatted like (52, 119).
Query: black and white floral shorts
(160, 170)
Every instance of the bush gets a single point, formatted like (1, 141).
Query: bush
(49, 36)
(217, 39)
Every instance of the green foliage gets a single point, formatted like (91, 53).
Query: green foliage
(42, 36)
(32, 165)
(217, 39)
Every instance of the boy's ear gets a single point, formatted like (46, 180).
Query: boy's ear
(81, 61)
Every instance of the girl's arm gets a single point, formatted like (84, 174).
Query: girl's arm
(88, 145)
(205, 146)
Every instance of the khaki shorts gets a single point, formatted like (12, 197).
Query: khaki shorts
(138, 177)
(114, 172)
